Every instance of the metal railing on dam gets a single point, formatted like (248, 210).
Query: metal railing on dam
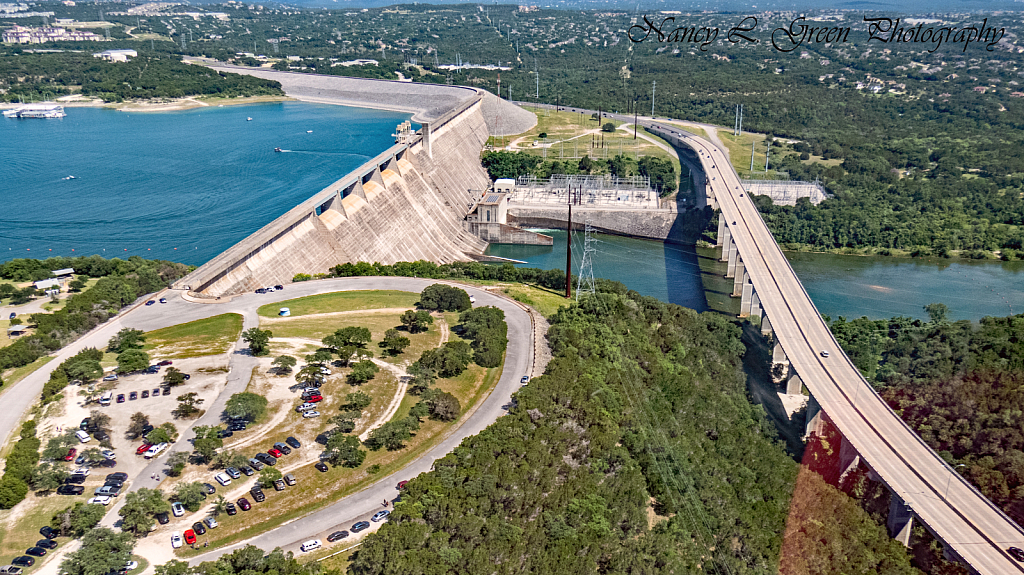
(972, 528)
(401, 188)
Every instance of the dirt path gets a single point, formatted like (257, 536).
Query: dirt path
(443, 326)
(279, 319)
(403, 386)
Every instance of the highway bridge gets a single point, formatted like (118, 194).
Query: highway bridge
(923, 486)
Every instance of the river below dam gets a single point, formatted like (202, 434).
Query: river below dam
(849, 286)
(182, 186)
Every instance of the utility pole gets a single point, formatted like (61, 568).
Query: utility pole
(634, 118)
(739, 129)
(752, 156)
(536, 72)
(568, 251)
(654, 84)
(767, 151)
(499, 85)
(585, 281)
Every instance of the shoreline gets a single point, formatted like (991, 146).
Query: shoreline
(160, 105)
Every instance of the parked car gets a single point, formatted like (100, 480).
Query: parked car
(209, 490)
(336, 536)
(282, 448)
(100, 500)
(314, 399)
(163, 300)
(163, 518)
(48, 532)
(402, 484)
(321, 467)
(210, 522)
(133, 396)
(165, 362)
(145, 394)
(23, 561)
(279, 485)
(152, 369)
(71, 454)
(361, 526)
(244, 504)
(156, 392)
(150, 302)
(175, 540)
(199, 528)
(120, 398)
(230, 508)
(108, 454)
(275, 452)
(131, 565)
(190, 537)
(101, 435)
(293, 442)
(143, 448)
(77, 479)
(225, 433)
(46, 544)
(223, 478)
(119, 476)
(279, 287)
(380, 515)
(70, 490)
(311, 545)
(256, 464)
(107, 490)
(266, 459)
(111, 377)
(248, 471)
(524, 381)
(310, 414)
(36, 551)
(177, 509)
(166, 391)
(155, 450)
(257, 494)
(10, 570)
(84, 426)
(232, 473)
(305, 407)
(289, 479)
(236, 426)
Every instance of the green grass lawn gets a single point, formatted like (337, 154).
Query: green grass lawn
(210, 336)
(18, 535)
(343, 301)
(15, 375)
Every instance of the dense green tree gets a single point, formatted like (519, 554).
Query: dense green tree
(176, 462)
(191, 495)
(57, 447)
(246, 405)
(258, 340)
(102, 552)
(344, 450)
(449, 360)
(132, 360)
(347, 336)
(284, 363)
(206, 442)
(362, 372)
(137, 425)
(357, 401)
(394, 342)
(442, 297)
(188, 405)
(268, 475)
(416, 321)
(76, 520)
(140, 508)
(49, 476)
(174, 377)
(125, 339)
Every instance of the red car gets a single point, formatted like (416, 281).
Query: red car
(190, 537)
(314, 399)
(275, 452)
(142, 448)
(402, 484)
(244, 504)
(166, 362)
(71, 454)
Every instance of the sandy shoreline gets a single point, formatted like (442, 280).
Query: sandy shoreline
(159, 105)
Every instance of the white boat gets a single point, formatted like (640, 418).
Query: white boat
(248, 119)
(309, 131)
(44, 110)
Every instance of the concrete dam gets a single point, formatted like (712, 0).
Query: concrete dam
(406, 204)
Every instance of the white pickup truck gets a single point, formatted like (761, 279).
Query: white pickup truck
(155, 450)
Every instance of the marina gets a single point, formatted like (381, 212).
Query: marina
(43, 110)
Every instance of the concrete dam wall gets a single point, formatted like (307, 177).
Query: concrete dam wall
(406, 204)
(662, 224)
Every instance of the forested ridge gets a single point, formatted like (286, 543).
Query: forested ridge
(959, 385)
(636, 452)
(28, 77)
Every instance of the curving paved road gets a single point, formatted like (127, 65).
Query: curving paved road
(959, 515)
(519, 361)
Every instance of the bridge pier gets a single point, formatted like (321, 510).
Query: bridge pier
(724, 239)
(900, 521)
(813, 421)
(755, 304)
(748, 292)
(766, 326)
(779, 354)
(794, 385)
(722, 230)
(733, 256)
(737, 284)
(849, 459)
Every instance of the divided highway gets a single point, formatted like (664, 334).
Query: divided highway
(977, 530)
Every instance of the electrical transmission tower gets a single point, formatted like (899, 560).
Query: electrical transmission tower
(585, 281)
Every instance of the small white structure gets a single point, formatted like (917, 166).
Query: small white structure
(47, 284)
(491, 209)
(505, 186)
(284, 312)
(15, 330)
(116, 55)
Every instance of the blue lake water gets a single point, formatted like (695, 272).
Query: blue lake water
(181, 186)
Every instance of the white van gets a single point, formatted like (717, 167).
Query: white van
(83, 436)
(311, 545)
(106, 397)
(223, 478)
